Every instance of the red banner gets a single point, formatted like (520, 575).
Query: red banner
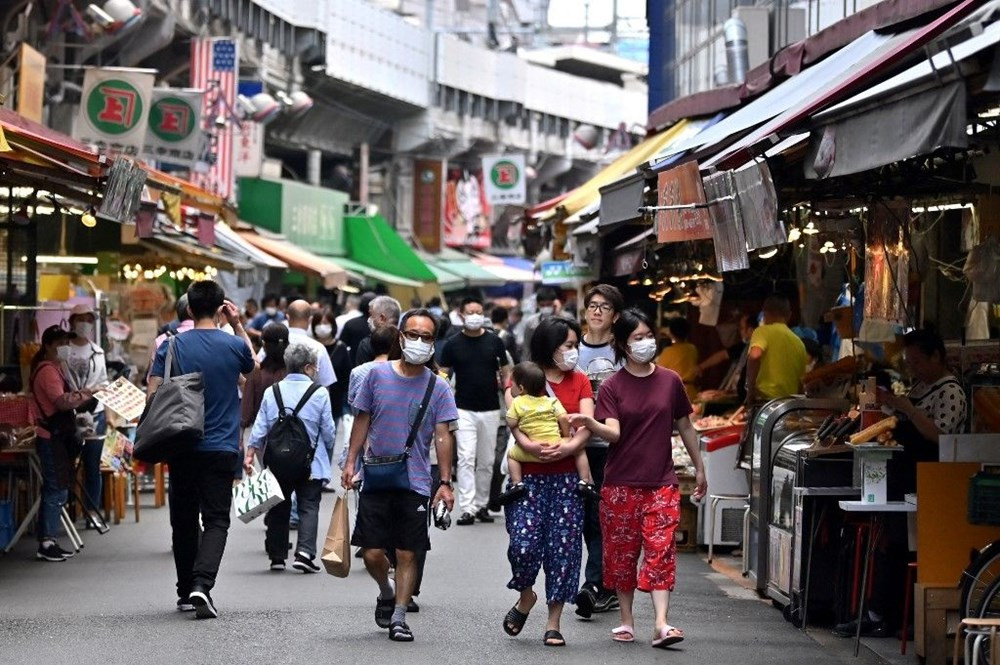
(679, 186)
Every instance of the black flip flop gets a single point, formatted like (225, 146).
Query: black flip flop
(383, 611)
(513, 623)
(556, 636)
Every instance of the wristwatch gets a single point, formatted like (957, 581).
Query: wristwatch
(447, 483)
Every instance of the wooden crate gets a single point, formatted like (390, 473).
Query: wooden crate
(935, 621)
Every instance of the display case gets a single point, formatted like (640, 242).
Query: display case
(773, 453)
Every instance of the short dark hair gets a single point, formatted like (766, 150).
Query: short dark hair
(469, 300)
(777, 304)
(926, 341)
(550, 334)
(531, 377)
(274, 339)
(366, 300)
(609, 293)
(499, 314)
(434, 302)
(679, 327)
(625, 326)
(205, 298)
(385, 341)
(426, 313)
(270, 297)
(546, 293)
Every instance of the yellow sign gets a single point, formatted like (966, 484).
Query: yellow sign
(31, 83)
(4, 146)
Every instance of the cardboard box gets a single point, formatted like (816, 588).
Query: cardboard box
(935, 621)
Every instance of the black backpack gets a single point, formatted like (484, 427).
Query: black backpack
(288, 450)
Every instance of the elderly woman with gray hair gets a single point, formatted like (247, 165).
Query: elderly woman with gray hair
(296, 393)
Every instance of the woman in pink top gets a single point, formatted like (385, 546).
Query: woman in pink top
(53, 407)
(637, 409)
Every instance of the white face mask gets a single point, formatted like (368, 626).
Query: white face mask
(324, 330)
(84, 329)
(547, 311)
(569, 359)
(474, 321)
(643, 350)
(418, 352)
(271, 311)
(63, 352)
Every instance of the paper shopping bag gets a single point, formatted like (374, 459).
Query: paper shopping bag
(337, 549)
(256, 494)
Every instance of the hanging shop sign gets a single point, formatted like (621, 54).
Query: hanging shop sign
(681, 185)
(504, 179)
(174, 134)
(758, 203)
(428, 202)
(628, 263)
(310, 217)
(30, 83)
(564, 272)
(466, 211)
(249, 156)
(114, 109)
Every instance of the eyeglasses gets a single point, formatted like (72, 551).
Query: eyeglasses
(600, 307)
(414, 336)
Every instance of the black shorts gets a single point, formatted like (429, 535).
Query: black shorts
(392, 520)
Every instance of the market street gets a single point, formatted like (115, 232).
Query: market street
(114, 603)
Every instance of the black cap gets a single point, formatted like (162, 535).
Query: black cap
(56, 333)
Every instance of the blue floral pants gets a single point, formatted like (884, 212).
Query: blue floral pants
(546, 532)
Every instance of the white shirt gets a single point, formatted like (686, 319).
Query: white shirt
(86, 366)
(325, 377)
(343, 319)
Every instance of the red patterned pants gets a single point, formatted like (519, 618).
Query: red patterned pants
(634, 520)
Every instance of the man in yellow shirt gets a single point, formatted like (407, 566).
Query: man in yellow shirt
(777, 358)
(681, 356)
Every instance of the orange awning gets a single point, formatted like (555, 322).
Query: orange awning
(332, 274)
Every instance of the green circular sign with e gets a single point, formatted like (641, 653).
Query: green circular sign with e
(114, 106)
(172, 119)
(505, 174)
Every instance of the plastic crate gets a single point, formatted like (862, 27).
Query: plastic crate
(984, 499)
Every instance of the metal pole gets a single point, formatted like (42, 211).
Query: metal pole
(363, 174)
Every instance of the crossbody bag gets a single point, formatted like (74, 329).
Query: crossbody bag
(386, 473)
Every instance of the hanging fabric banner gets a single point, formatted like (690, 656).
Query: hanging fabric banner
(175, 135)
(114, 108)
(758, 206)
(681, 185)
(727, 227)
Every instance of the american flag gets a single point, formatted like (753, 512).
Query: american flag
(215, 69)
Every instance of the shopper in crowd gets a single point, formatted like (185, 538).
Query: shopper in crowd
(359, 327)
(637, 409)
(86, 369)
(434, 306)
(516, 326)
(546, 306)
(250, 310)
(500, 316)
(387, 404)
(184, 323)
(935, 405)
(302, 365)
(351, 311)
(383, 311)
(777, 357)
(201, 481)
(324, 329)
(56, 440)
(270, 370)
(271, 314)
(602, 306)
(681, 355)
(735, 379)
(545, 528)
(479, 360)
(299, 317)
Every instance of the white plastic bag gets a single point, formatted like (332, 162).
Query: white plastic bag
(256, 494)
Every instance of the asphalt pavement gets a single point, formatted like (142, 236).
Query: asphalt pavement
(115, 603)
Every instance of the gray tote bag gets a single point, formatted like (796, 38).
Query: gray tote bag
(174, 419)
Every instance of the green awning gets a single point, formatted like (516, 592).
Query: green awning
(375, 247)
(456, 271)
(375, 274)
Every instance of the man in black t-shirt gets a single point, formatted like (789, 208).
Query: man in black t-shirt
(479, 360)
(357, 328)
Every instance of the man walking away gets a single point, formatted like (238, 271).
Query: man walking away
(357, 329)
(351, 312)
(388, 403)
(302, 365)
(479, 361)
(384, 311)
(602, 306)
(201, 481)
(300, 315)
(501, 324)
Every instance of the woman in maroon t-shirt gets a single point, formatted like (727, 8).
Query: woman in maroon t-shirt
(546, 526)
(637, 410)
